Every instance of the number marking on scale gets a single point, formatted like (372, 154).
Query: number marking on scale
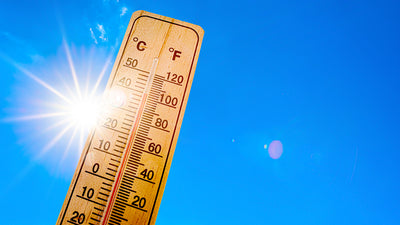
(122, 172)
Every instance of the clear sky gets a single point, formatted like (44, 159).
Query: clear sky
(320, 77)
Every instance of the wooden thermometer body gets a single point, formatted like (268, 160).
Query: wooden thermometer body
(124, 165)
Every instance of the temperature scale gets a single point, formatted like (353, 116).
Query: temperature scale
(124, 166)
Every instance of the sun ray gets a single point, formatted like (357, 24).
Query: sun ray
(63, 122)
(72, 68)
(87, 84)
(41, 82)
(81, 141)
(70, 142)
(68, 91)
(58, 124)
(53, 141)
(66, 151)
(101, 75)
(89, 71)
(43, 131)
(35, 117)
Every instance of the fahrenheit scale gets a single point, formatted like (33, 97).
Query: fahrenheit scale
(124, 166)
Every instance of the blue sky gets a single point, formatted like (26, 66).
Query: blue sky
(321, 77)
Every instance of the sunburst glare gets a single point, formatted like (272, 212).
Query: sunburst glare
(83, 113)
(63, 103)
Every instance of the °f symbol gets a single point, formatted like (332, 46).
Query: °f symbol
(177, 54)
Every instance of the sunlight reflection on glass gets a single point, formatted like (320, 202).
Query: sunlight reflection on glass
(116, 98)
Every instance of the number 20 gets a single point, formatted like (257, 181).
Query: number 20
(78, 217)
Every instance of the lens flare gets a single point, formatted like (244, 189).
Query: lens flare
(275, 149)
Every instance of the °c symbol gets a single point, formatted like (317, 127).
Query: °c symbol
(141, 45)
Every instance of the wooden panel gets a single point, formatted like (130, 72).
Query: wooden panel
(124, 166)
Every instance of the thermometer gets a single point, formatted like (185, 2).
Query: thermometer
(123, 169)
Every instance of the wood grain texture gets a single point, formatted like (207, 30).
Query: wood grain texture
(123, 169)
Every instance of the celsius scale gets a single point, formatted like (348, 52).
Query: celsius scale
(123, 169)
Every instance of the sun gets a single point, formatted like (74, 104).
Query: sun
(84, 113)
(71, 104)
